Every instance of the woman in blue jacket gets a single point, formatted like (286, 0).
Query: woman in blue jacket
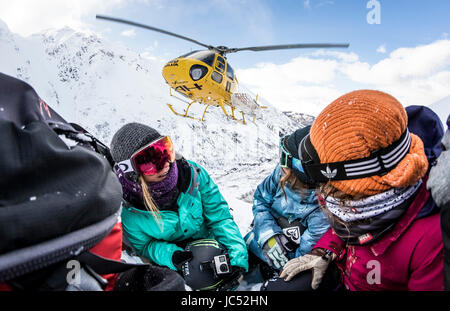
(287, 218)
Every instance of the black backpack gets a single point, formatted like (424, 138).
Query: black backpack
(58, 198)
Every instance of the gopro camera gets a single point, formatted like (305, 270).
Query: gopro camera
(221, 265)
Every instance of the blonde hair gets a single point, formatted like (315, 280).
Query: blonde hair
(150, 203)
(294, 182)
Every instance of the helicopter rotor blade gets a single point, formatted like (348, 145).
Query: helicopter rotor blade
(288, 46)
(113, 19)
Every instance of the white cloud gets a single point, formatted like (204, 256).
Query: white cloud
(318, 4)
(26, 17)
(303, 84)
(415, 76)
(344, 56)
(149, 53)
(382, 49)
(405, 64)
(128, 33)
(323, 3)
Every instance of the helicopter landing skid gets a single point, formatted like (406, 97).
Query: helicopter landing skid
(185, 114)
(232, 113)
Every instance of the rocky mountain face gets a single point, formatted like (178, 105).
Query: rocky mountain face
(102, 86)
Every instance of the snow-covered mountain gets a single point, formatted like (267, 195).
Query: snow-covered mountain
(442, 109)
(102, 85)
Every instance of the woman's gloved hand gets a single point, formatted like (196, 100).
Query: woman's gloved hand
(181, 257)
(275, 250)
(317, 261)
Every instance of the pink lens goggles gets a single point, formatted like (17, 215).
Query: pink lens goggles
(151, 158)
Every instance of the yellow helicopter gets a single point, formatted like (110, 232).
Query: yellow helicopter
(206, 77)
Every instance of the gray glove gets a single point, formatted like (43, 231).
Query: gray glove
(318, 264)
(275, 252)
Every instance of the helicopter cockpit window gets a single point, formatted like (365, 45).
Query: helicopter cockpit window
(230, 72)
(216, 77)
(220, 63)
(207, 59)
(205, 56)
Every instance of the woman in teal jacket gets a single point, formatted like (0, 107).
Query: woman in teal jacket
(169, 201)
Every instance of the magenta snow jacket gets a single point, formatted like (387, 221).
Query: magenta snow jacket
(410, 257)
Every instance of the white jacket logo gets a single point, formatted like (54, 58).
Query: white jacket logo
(329, 173)
(293, 233)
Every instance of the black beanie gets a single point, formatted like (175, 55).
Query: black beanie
(129, 138)
(292, 142)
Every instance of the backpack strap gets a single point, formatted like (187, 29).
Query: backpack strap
(103, 265)
(80, 135)
(96, 143)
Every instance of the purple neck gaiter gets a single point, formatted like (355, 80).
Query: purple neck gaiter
(163, 192)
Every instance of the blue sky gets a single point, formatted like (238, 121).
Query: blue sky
(407, 54)
(404, 23)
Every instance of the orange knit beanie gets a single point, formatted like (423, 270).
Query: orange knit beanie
(358, 123)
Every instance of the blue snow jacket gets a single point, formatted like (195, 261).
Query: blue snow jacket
(270, 203)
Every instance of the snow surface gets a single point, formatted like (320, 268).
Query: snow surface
(102, 86)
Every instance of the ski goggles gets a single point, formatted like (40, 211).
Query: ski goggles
(151, 158)
(287, 160)
(378, 163)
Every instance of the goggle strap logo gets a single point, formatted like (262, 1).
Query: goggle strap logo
(126, 166)
(329, 173)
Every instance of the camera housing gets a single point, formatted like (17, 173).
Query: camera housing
(221, 265)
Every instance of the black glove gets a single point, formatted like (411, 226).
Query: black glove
(180, 257)
(149, 278)
(232, 281)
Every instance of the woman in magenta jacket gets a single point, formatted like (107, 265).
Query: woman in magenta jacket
(373, 175)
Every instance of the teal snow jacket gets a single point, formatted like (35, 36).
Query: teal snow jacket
(202, 213)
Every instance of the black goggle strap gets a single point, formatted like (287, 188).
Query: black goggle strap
(378, 163)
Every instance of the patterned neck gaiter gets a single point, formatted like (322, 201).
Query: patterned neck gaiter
(366, 220)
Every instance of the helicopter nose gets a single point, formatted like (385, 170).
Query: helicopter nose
(169, 71)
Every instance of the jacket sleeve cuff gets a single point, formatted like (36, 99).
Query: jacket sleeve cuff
(333, 243)
(170, 263)
(265, 236)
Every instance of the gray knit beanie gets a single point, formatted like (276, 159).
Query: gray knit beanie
(130, 138)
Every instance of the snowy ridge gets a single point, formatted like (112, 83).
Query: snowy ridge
(101, 86)
(442, 109)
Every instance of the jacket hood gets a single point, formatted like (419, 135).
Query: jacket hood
(426, 124)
